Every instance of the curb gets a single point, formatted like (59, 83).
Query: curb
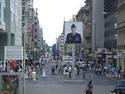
(74, 81)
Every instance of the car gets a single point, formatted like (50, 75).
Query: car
(119, 88)
(118, 91)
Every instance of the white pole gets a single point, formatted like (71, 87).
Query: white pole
(4, 57)
(23, 59)
(73, 53)
(93, 27)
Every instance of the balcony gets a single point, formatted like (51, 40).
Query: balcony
(121, 24)
(121, 27)
(2, 26)
(89, 20)
(88, 34)
(121, 4)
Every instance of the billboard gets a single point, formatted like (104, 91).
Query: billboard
(73, 32)
(13, 53)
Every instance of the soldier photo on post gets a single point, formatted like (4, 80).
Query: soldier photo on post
(73, 37)
(73, 32)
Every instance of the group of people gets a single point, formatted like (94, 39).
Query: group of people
(105, 69)
(11, 66)
(67, 70)
(75, 70)
(56, 67)
(30, 70)
(34, 69)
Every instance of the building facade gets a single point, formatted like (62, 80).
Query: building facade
(27, 27)
(60, 44)
(97, 24)
(40, 39)
(2, 22)
(110, 16)
(84, 16)
(37, 36)
(11, 20)
(3, 33)
(93, 20)
(121, 34)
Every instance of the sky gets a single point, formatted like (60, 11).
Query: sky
(52, 14)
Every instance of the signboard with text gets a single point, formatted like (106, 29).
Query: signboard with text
(13, 53)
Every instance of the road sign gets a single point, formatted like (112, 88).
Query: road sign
(13, 53)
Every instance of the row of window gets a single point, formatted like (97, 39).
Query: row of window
(110, 44)
(121, 38)
(110, 5)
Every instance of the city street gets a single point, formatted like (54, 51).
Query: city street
(62, 46)
(58, 85)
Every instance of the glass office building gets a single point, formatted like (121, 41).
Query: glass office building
(110, 16)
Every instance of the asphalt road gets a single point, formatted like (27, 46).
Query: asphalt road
(57, 84)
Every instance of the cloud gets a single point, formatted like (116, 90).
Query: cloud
(52, 14)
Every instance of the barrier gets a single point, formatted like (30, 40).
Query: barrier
(113, 75)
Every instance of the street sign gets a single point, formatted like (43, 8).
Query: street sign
(13, 53)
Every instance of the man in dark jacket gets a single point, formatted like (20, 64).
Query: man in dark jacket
(73, 37)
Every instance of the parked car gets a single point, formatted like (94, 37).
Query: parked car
(119, 88)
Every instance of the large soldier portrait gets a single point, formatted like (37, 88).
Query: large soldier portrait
(73, 36)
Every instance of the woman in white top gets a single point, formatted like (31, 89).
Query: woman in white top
(44, 73)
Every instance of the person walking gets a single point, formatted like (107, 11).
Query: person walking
(70, 71)
(89, 88)
(83, 73)
(78, 69)
(53, 68)
(34, 78)
(44, 73)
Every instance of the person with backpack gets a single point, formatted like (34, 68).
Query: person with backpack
(89, 88)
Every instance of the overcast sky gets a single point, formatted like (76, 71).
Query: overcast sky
(52, 14)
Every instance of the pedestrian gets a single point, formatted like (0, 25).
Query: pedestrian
(44, 73)
(34, 78)
(83, 71)
(70, 71)
(78, 69)
(29, 73)
(65, 71)
(74, 72)
(53, 68)
(89, 88)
